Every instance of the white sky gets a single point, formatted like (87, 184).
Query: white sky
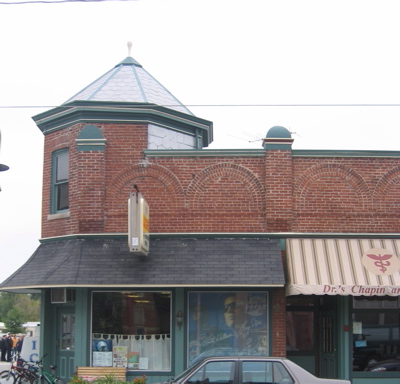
(205, 52)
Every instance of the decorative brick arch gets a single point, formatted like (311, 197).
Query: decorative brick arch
(386, 196)
(240, 174)
(330, 172)
(128, 177)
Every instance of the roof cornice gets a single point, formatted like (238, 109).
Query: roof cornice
(204, 152)
(261, 152)
(117, 112)
(225, 235)
(343, 153)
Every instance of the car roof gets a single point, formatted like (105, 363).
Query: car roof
(244, 357)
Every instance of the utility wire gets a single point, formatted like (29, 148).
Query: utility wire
(55, 2)
(209, 105)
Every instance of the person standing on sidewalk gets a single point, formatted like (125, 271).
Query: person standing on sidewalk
(8, 346)
(3, 347)
(13, 340)
(18, 347)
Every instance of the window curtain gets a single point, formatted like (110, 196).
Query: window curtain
(154, 349)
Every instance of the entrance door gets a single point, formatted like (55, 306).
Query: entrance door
(328, 345)
(65, 343)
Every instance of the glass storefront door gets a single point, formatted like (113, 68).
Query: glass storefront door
(328, 347)
(65, 343)
(311, 333)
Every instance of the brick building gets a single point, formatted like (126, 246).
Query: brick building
(262, 251)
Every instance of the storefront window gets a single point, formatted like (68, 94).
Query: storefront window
(132, 329)
(300, 324)
(299, 331)
(227, 323)
(376, 325)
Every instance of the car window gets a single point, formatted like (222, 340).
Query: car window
(216, 372)
(265, 372)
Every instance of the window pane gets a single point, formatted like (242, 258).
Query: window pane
(376, 302)
(299, 331)
(257, 372)
(227, 323)
(261, 372)
(60, 175)
(138, 323)
(67, 332)
(375, 335)
(62, 197)
(214, 373)
(62, 167)
(281, 375)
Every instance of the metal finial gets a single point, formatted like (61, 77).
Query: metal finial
(129, 48)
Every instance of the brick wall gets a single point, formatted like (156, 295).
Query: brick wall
(346, 194)
(273, 193)
(278, 317)
(279, 191)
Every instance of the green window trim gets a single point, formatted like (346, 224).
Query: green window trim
(59, 198)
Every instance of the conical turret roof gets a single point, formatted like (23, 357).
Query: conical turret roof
(128, 81)
(128, 93)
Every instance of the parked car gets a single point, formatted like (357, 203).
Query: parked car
(385, 365)
(248, 370)
(224, 351)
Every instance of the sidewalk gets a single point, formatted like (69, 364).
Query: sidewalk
(4, 365)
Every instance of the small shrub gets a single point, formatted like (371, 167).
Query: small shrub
(80, 380)
(139, 380)
(109, 379)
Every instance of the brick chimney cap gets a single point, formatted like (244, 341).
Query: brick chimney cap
(278, 132)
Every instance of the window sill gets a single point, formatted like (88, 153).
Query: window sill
(56, 216)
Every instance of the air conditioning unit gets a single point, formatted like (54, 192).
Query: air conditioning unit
(58, 295)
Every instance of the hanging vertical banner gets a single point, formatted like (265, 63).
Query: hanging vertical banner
(138, 224)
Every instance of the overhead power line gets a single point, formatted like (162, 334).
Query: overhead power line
(55, 1)
(213, 105)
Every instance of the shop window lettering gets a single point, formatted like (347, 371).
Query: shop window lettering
(360, 290)
(256, 306)
(214, 339)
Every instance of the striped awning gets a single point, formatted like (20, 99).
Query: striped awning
(357, 267)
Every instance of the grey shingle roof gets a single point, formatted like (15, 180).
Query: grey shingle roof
(171, 262)
(128, 81)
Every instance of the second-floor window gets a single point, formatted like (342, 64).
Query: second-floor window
(60, 181)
